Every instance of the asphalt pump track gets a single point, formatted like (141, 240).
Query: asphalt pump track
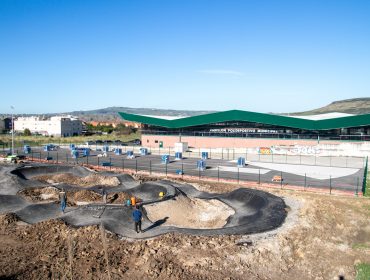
(255, 211)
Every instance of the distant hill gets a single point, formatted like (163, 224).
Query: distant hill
(350, 106)
(355, 106)
(111, 113)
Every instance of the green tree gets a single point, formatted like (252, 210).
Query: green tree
(27, 132)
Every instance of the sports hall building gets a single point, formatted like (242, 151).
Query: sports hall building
(242, 129)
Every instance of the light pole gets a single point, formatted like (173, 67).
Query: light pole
(12, 107)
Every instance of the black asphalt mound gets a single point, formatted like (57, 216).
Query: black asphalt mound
(32, 171)
(35, 213)
(148, 191)
(11, 203)
(255, 211)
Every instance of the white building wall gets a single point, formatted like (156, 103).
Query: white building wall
(56, 126)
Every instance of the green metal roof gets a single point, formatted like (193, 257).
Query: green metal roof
(237, 115)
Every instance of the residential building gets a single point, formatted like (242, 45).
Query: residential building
(63, 126)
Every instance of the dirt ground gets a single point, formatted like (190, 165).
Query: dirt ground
(188, 212)
(74, 197)
(88, 181)
(40, 194)
(323, 237)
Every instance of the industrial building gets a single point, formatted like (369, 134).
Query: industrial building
(63, 126)
(239, 129)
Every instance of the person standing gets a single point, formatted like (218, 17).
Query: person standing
(104, 194)
(63, 200)
(137, 216)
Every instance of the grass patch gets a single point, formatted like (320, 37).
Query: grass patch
(367, 188)
(361, 246)
(20, 140)
(363, 271)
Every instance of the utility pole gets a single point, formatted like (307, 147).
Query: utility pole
(12, 107)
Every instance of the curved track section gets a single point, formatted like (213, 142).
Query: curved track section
(255, 211)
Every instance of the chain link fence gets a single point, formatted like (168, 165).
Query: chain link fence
(219, 170)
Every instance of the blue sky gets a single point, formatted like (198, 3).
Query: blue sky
(265, 56)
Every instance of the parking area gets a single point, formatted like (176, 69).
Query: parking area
(306, 176)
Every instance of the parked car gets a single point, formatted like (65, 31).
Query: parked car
(137, 142)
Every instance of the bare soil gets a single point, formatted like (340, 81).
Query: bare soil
(323, 237)
(188, 212)
(74, 197)
(40, 194)
(88, 181)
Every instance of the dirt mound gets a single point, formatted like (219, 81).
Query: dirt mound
(85, 196)
(70, 179)
(191, 212)
(8, 219)
(40, 194)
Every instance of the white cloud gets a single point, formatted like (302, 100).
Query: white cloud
(221, 72)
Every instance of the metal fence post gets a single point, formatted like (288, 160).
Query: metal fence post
(182, 169)
(150, 167)
(87, 160)
(259, 176)
(330, 183)
(218, 173)
(166, 168)
(281, 180)
(238, 175)
(136, 166)
(98, 160)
